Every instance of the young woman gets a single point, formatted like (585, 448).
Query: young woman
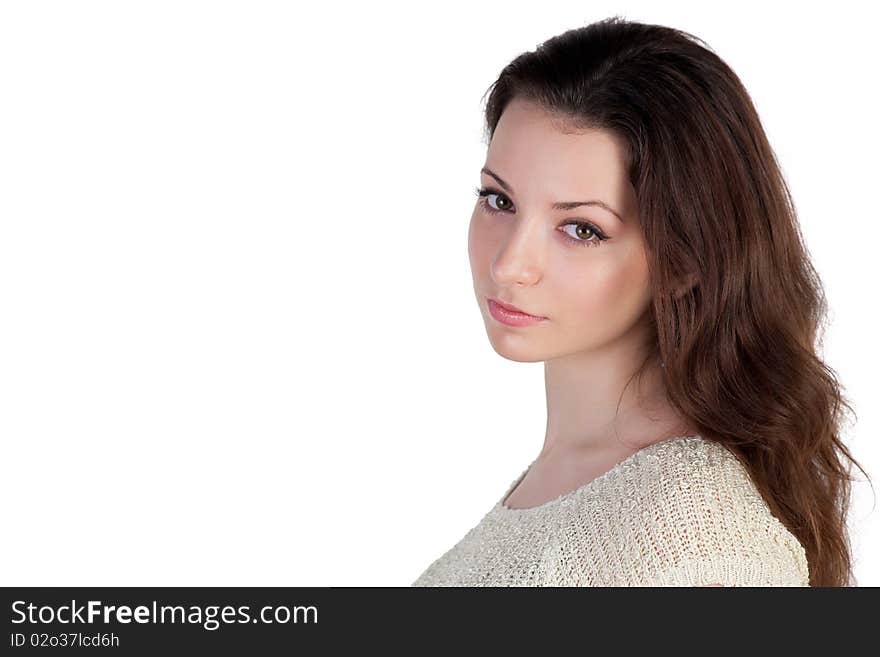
(633, 231)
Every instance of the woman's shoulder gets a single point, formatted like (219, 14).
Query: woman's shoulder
(686, 512)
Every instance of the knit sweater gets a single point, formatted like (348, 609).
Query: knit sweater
(679, 512)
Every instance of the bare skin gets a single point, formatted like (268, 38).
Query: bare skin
(594, 294)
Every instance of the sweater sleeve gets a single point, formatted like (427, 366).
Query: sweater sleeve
(728, 569)
(711, 526)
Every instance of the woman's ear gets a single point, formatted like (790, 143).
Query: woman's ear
(687, 282)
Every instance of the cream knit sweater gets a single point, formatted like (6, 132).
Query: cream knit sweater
(680, 512)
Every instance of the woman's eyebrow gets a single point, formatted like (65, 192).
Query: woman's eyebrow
(559, 205)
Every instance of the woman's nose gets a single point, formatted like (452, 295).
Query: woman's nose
(519, 258)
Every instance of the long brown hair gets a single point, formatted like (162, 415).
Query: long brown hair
(737, 305)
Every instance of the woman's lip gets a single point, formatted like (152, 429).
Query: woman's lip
(514, 309)
(508, 317)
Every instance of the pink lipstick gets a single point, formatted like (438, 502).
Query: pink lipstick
(511, 315)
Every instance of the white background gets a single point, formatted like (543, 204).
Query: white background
(238, 338)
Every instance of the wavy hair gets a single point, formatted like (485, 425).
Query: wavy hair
(737, 305)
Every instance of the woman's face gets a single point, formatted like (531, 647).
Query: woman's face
(552, 262)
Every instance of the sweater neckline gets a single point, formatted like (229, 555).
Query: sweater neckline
(501, 508)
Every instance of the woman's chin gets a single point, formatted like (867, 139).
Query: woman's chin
(517, 348)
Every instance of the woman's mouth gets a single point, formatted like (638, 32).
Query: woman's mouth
(512, 316)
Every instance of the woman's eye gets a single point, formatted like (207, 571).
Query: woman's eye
(498, 206)
(582, 233)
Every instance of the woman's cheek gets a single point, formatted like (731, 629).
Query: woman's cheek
(481, 247)
(603, 301)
